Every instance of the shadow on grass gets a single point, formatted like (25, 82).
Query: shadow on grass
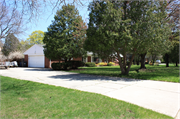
(17, 87)
(152, 72)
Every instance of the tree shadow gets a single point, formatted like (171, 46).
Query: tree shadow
(16, 88)
(86, 77)
(38, 69)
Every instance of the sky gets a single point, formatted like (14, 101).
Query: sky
(46, 18)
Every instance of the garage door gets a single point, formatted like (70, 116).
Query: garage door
(36, 61)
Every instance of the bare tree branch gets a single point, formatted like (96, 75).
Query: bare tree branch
(14, 14)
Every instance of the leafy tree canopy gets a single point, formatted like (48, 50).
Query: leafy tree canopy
(126, 27)
(36, 37)
(66, 35)
(25, 45)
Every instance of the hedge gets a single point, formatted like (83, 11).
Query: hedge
(90, 64)
(111, 64)
(67, 65)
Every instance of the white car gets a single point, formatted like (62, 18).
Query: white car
(13, 64)
(158, 61)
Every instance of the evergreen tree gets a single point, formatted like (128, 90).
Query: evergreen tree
(124, 27)
(66, 35)
(174, 52)
(11, 44)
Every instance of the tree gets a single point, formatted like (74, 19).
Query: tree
(2, 57)
(14, 14)
(11, 20)
(65, 36)
(15, 55)
(36, 37)
(173, 9)
(1, 43)
(11, 44)
(159, 33)
(25, 45)
(173, 54)
(113, 30)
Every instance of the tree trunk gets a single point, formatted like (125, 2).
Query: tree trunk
(153, 58)
(138, 62)
(167, 60)
(121, 65)
(176, 64)
(129, 66)
(65, 66)
(143, 61)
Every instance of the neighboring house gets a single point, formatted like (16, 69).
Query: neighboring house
(91, 58)
(34, 57)
(148, 58)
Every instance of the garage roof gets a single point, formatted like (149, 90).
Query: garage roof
(35, 50)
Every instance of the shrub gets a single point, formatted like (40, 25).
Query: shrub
(102, 64)
(97, 65)
(56, 66)
(74, 64)
(90, 64)
(15, 55)
(111, 64)
(150, 63)
(67, 65)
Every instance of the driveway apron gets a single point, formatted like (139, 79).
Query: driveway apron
(163, 97)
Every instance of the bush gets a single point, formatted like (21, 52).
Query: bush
(150, 63)
(102, 64)
(90, 64)
(60, 66)
(74, 64)
(67, 65)
(56, 66)
(111, 64)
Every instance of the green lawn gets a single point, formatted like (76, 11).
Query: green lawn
(26, 99)
(160, 73)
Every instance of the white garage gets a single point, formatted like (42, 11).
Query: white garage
(34, 56)
(36, 61)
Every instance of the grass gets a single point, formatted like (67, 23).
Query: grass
(26, 99)
(159, 73)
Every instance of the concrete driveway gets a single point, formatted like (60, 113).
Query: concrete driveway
(163, 97)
